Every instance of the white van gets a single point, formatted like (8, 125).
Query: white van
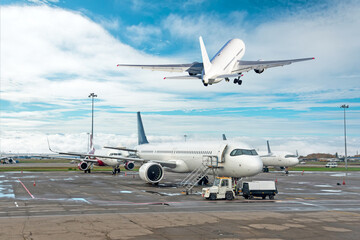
(331, 165)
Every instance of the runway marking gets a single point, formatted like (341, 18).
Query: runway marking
(26, 189)
(16, 204)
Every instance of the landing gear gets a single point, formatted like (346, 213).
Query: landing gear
(227, 79)
(238, 81)
(87, 171)
(265, 169)
(116, 170)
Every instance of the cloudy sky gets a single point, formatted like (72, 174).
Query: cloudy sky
(55, 52)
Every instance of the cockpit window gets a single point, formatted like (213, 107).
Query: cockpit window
(237, 152)
(290, 156)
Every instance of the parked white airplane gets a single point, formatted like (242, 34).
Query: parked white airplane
(278, 159)
(87, 161)
(230, 159)
(225, 64)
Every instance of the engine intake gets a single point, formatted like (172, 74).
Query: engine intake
(83, 166)
(259, 70)
(129, 165)
(151, 172)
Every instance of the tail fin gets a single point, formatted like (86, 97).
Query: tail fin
(205, 57)
(141, 133)
(92, 149)
(268, 146)
(224, 137)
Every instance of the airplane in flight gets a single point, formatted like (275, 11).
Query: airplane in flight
(230, 159)
(225, 64)
(279, 160)
(87, 161)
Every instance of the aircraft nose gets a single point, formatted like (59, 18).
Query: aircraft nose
(254, 166)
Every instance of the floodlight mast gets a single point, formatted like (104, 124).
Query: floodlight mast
(92, 95)
(344, 106)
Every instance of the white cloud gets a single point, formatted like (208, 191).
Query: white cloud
(53, 56)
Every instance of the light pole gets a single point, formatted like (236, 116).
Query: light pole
(185, 136)
(344, 106)
(92, 95)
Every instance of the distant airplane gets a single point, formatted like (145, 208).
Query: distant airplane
(230, 159)
(279, 160)
(87, 161)
(225, 64)
(7, 160)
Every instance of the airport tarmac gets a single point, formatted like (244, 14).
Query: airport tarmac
(43, 205)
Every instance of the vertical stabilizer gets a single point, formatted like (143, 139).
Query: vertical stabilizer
(141, 133)
(205, 57)
(268, 146)
(224, 137)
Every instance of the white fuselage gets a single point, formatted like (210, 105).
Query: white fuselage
(225, 60)
(190, 155)
(279, 159)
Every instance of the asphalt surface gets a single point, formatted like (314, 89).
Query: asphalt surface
(43, 205)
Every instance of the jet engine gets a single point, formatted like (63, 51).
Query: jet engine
(129, 165)
(260, 70)
(151, 172)
(83, 166)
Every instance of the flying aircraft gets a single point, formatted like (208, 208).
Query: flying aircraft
(278, 159)
(87, 161)
(230, 159)
(225, 64)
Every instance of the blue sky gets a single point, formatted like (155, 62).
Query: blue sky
(54, 53)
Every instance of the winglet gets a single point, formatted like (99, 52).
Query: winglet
(141, 133)
(268, 147)
(224, 137)
(204, 55)
(49, 145)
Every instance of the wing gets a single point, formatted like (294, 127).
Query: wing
(245, 66)
(187, 77)
(193, 68)
(122, 149)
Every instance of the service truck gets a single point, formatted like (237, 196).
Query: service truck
(259, 189)
(221, 189)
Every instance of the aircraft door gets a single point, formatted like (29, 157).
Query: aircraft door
(222, 152)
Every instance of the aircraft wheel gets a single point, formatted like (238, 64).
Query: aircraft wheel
(236, 80)
(240, 82)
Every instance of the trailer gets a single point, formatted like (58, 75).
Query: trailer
(259, 189)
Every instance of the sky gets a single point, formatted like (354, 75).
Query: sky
(54, 53)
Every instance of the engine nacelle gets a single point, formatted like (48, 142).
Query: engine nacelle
(151, 172)
(129, 165)
(259, 70)
(83, 166)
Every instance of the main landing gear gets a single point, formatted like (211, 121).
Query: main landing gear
(116, 170)
(238, 81)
